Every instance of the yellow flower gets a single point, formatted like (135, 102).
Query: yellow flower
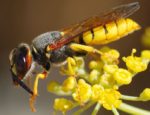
(94, 76)
(62, 104)
(69, 84)
(52, 86)
(107, 80)
(110, 99)
(83, 92)
(135, 64)
(110, 57)
(96, 65)
(110, 68)
(97, 92)
(122, 76)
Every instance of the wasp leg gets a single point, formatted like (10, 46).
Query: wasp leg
(35, 89)
(79, 47)
(70, 67)
(71, 62)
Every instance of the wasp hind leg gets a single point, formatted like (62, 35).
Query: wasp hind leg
(79, 48)
(35, 89)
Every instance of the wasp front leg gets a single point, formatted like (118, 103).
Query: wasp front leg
(79, 47)
(35, 89)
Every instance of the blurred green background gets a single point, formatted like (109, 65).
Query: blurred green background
(22, 20)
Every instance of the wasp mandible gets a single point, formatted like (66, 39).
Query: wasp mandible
(55, 47)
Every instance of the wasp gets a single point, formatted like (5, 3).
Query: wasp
(55, 47)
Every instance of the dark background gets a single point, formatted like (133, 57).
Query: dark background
(22, 20)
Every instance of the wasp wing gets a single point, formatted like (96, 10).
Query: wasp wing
(69, 33)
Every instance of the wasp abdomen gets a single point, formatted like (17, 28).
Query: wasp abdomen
(110, 32)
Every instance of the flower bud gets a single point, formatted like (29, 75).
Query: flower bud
(94, 76)
(52, 86)
(97, 92)
(62, 104)
(110, 57)
(69, 84)
(145, 95)
(145, 54)
(110, 68)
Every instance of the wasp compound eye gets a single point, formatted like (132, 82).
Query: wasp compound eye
(20, 61)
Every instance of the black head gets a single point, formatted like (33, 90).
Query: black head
(20, 59)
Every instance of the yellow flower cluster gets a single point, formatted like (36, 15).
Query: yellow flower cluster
(100, 83)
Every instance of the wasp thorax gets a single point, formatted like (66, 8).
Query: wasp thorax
(20, 60)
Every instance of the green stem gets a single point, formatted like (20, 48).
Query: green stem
(61, 93)
(114, 110)
(96, 109)
(81, 110)
(133, 110)
(130, 98)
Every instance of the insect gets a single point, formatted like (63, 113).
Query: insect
(55, 47)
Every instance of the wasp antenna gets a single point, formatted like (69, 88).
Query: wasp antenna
(23, 85)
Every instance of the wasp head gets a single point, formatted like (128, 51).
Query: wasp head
(20, 62)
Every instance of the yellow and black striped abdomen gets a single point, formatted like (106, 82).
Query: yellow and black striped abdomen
(110, 32)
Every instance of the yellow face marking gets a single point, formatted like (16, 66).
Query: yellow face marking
(34, 49)
(48, 55)
(48, 49)
(14, 69)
